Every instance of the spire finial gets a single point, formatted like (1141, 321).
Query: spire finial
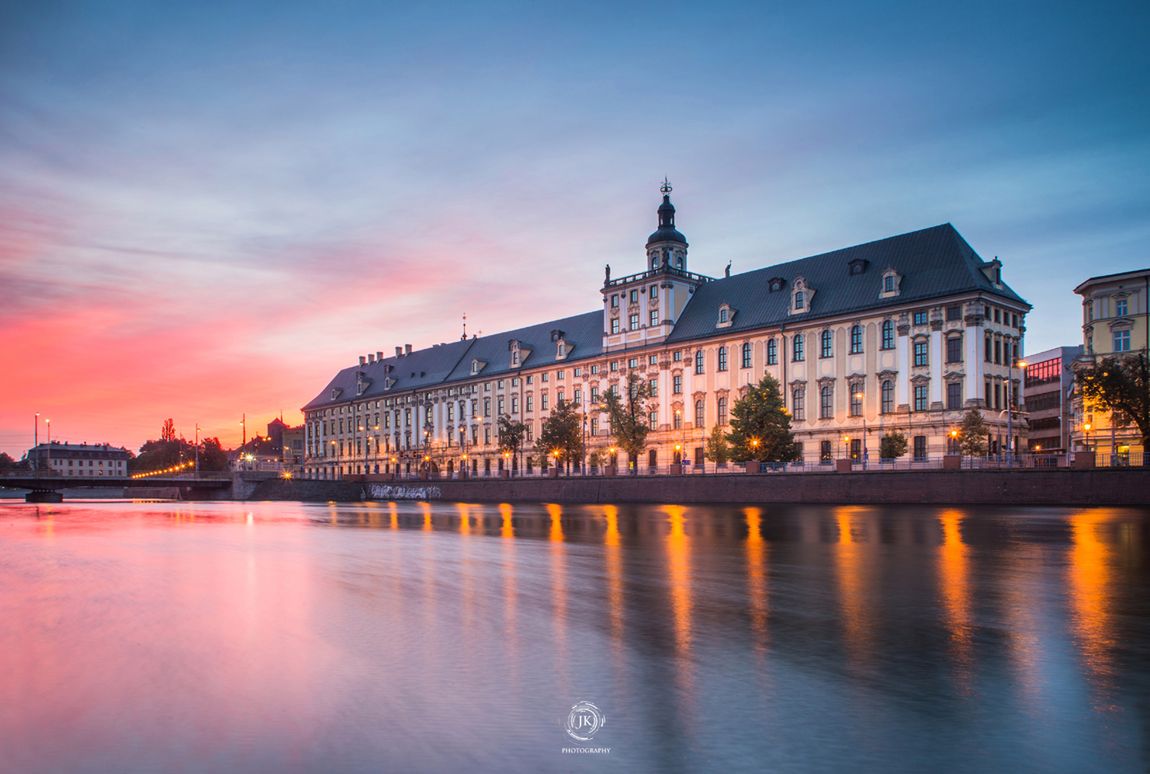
(464, 336)
(665, 187)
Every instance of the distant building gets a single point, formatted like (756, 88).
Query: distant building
(292, 440)
(81, 459)
(1047, 394)
(905, 333)
(1115, 322)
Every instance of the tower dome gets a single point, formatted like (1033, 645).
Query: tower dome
(666, 247)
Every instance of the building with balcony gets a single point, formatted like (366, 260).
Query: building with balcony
(1115, 323)
(905, 333)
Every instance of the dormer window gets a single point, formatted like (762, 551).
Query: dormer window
(857, 266)
(477, 365)
(775, 284)
(560, 349)
(891, 280)
(516, 352)
(335, 392)
(801, 296)
(726, 316)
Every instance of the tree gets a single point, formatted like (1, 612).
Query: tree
(972, 434)
(168, 431)
(1121, 385)
(212, 455)
(718, 450)
(761, 426)
(9, 465)
(892, 445)
(628, 419)
(562, 432)
(511, 435)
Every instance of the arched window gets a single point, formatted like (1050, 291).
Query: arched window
(722, 410)
(827, 401)
(887, 396)
(797, 342)
(747, 354)
(826, 347)
(856, 339)
(772, 352)
(800, 299)
(699, 417)
(887, 334)
(699, 362)
(722, 358)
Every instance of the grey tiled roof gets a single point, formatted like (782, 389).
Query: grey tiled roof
(451, 362)
(933, 262)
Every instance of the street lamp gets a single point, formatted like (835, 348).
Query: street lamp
(1086, 430)
(1010, 411)
(48, 457)
(35, 438)
(846, 446)
(862, 410)
(954, 439)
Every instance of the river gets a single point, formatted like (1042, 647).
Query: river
(383, 637)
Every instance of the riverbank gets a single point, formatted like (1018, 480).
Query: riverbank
(1102, 487)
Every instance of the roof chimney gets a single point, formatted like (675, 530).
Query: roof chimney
(371, 357)
(407, 349)
(399, 351)
(379, 356)
(362, 359)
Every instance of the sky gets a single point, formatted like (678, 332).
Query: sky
(207, 209)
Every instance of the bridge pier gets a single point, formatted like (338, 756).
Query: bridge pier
(44, 496)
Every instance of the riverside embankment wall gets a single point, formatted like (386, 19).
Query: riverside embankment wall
(1122, 486)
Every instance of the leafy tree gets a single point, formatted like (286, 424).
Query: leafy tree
(1121, 385)
(511, 435)
(160, 454)
(761, 426)
(9, 465)
(212, 455)
(628, 419)
(561, 432)
(972, 434)
(168, 431)
(892, 445)
(717, 449)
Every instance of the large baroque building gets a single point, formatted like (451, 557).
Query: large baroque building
(905, 333)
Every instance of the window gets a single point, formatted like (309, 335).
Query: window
(530, 405)
(614, 325)
(653, 419)
(487, 407)
(699, 413)
(988, 348)
(797, 350)
(594, 393)
(633, 362)
(633, 322)
(635, 296)
(856, 400)
(953, 313)
(1121, 307)
(653, 388)
(653, 318)
(954, 348)
(920, 447)
(724, 315)
(746, 354)
(888, 282)
(953, 396)
(559, 396)
(499, 406)
(920, 317)
(798, 404)
(1121, 341)
(677, 356)
(594, 369)
(722, 358)
(800, 299)
(652, 360)
(722, 410)
(920, 397)
(614, 366)
(653, 291)
(677, 420)
(543, 400)
(887, 395)
(614, 301)
(887, 334)
(856, 339)
(827, 401)
(772, 352)
(921, 352)
(826, 453)
(677, 384)
(998, 351)
(699, 362)
(826, 344)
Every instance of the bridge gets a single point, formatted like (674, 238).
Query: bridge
(49, 488)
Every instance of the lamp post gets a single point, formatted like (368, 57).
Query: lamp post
(846, 446)
(48, 457)
(35, 438)
(1086, 430)
(862, 411)
(1010, 411)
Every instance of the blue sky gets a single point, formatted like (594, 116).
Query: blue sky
(251, 194)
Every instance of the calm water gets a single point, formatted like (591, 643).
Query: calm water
(414, 637)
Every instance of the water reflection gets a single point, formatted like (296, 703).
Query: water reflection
(380, 636)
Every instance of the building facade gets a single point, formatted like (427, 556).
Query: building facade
(905, 333)
(1048, 393)
(81, 459)
(1115, 322)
